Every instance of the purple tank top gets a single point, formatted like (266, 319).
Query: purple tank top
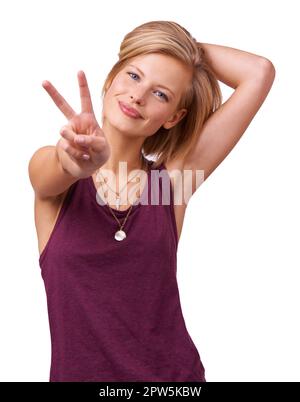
(113, 306)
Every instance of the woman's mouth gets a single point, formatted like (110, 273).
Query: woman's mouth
(129, 112)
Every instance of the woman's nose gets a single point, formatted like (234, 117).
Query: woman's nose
(139, 96)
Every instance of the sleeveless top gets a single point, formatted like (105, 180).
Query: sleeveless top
(113, 306)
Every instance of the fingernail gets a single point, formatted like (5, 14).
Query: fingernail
(80, 139)
(85, 156)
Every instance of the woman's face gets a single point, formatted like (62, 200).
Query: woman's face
(152, 84)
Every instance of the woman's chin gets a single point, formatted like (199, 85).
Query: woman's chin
(126, 127)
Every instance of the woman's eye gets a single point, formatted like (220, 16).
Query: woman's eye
(133, 74)
(163, 95)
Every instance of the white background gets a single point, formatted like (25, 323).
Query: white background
(238, 255)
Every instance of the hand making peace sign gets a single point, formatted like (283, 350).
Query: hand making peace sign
(84, 145)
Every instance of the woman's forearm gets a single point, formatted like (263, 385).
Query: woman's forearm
(233, 66)
(48, 176)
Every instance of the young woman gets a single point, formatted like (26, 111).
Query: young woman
(107, 240)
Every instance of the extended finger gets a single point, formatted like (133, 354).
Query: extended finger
(85, 96)
(58, 99)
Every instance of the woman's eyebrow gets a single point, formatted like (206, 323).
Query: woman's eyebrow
(141, 72)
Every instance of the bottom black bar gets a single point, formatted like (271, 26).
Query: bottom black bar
(93, 391)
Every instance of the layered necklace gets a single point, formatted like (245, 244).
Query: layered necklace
(120, 233)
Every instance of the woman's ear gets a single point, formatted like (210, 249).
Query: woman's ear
(175, 119)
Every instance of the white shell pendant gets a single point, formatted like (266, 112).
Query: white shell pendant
(120, 235)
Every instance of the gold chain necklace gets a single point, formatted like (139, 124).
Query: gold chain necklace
(120, 234)
(118, 198)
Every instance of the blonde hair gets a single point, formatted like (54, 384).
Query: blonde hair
(201, 98)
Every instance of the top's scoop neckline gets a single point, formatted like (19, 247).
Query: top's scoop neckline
(134, 206)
